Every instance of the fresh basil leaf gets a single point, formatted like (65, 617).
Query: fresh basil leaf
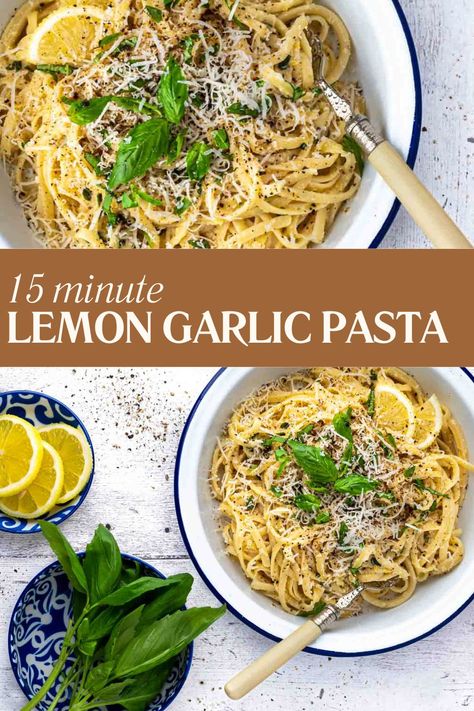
(143, 147)
(188, 44)
(323, 517)
(297, 92)
(107, 209)
(129, 43)
(182, 205)
(320, 467)
(240, 109)
(79, 601)
(307, 502)
(102, 624)
(200, 243)
(65, 554)
(128, 201)
(94, 163)
(198, 161)
(122, 634)
(83, 112)
(370, 404)
(98, 677)
(154, 13)
(319, 607)
(147, 198)
(168, 600)
(342, 424)
(276, 438)
(342, 532)
(110, 694)
(144, 689)
(55, 69)
(102, 564)
(420, 485)
(109, 39)
(164, 639)
(355, 484)
(176, 147)
(306, 430)
(173, 92)
(221, 139)
(134, 590)
(408, 473)
(352, 146)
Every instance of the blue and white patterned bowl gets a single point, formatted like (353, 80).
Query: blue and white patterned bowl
(37, 629)
(41, 409)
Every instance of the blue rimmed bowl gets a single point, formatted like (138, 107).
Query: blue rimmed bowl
(38, 626)
(40, 409)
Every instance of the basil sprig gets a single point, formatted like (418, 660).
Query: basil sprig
(85, 111)
(143, 147)
(173, 92)
(198, 161)
(319, 466)
(126, 627)
(355, 484)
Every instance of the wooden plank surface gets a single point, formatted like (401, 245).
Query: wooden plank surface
(135, 418)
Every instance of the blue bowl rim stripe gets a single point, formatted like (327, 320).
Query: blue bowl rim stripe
(416, 134)
(125, 556)
(85, 491)
(238, 615)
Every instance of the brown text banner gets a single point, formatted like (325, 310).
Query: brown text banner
(201, 307)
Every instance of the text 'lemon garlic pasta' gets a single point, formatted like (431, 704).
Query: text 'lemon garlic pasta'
(143, 123)
(327, 478)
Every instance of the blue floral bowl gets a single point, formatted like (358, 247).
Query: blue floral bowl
(38, 626)
(40, 409)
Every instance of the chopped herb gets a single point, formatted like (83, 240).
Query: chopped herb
(389, 495)
(221, 139)
(277, 490)
(306, 430)
(319, 607)
(188, 45)
(173, 92)
(280, 454)
(129, 43)
(170, 3)
(408, 473)
(154, 13)
(139, 151)
(176, 147)
(94, 163)
(323, 517)
(109, 39)
(200, 243)
(341, 534)
(87, 194)
(355, 484)
(15, 66)
(240, 109)
(352, 146)
(317, 488)
(298, 91)
(370, 404)
(107, 209)
(198, 161)
(197, 101)
(317, 91)
(320, 467)
(276, 438)
(307, 502)
(285, 63)
(146, 197)
(388, 443)
(342, 424)
(420, 485)
(354, 570)
(129, 201)
(250, 505)
(182, 205)
(55, 69)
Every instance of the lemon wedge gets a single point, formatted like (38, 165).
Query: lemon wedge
(75, 452)
(66, 36)
(428, 422)
(21, 453)
(394, 411)
(43, 492)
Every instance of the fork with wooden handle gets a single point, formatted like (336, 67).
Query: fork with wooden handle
(281, 653)
(417, 200)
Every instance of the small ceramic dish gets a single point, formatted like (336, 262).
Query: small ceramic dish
(436, 601)
(38, 626)
(41, 409)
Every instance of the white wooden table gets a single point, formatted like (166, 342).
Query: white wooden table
(135, 418)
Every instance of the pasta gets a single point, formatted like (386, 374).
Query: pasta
(328, 478)
(236, 149)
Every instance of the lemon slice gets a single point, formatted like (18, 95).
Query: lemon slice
(66, 36)
(43, 492)
(73, 448)
(428, 422)
(394, 411)
(21, 452)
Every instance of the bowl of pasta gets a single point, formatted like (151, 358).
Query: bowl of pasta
(197, 124)
(292, 486)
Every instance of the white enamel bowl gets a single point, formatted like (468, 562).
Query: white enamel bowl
(385, 63)
(434, 603)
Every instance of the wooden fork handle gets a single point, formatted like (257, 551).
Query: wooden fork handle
(417, 200)
(276, 657)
